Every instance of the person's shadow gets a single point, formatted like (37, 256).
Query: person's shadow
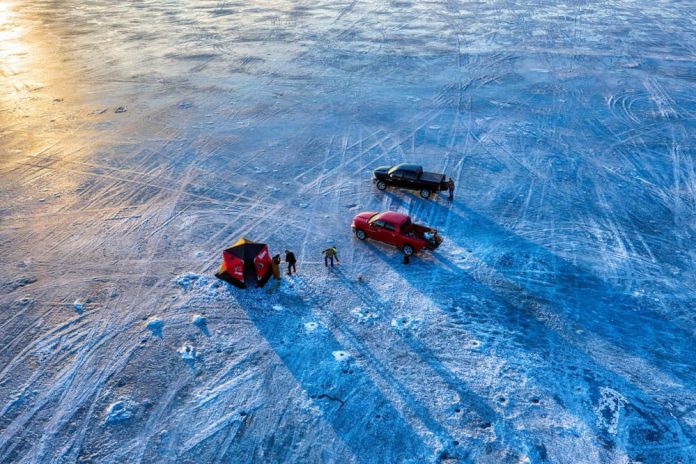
(361, 416)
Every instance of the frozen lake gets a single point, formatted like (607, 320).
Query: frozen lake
(555, 324)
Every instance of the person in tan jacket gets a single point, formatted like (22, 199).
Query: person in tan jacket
(329, 255)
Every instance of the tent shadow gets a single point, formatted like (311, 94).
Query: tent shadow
(361, 416)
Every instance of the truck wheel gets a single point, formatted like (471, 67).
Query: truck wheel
(408, 250)
(425, 193)
(381, 185)
(360, 234)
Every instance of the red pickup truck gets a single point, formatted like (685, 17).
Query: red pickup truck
(395, 229)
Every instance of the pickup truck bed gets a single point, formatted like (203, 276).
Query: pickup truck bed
(430, 236)
(433, 177)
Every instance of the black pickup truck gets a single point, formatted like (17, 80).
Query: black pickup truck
(411, 177)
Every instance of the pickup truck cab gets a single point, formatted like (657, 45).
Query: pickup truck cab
(395, 229)
(411, 177)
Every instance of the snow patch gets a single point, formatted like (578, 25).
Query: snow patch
(22, 282)
(25, 300)
(198, 283)
(341, 356)
(187, 352)
(609, 408)
(311, 326)
(119, 411)
(363, 314)
(405, 323)
(690, 418)
(278, 307)
(187, 280)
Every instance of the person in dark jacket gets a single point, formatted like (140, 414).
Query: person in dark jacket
(291, 260)
(407, 259)
(450, 188)
(329, 255)
(275, 266)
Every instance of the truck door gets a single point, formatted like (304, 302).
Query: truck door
(376, 230)
(410, 180)
(390, 235)
(397, 178)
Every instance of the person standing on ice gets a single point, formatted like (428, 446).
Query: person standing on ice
(275, 266)
(329, 255)
(450, 188)
(291, 260)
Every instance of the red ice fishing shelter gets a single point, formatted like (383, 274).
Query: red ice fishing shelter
(245, 262)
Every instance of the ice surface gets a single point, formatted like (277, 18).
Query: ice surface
(555, 323)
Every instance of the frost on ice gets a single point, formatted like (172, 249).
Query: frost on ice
(119, 411)
(609, 409)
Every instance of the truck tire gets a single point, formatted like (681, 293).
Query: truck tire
(360, 234)
(408, 250)
(381, 185)
(425, 193)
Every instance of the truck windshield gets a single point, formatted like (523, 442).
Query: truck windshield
(406, 224)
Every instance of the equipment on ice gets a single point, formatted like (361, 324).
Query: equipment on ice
(244, 263)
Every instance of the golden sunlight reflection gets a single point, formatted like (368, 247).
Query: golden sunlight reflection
(13, 50)
(35, 83)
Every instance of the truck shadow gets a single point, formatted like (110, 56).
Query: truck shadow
(574, 294)
(478, 413)
(361, 416)
(515, 316)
